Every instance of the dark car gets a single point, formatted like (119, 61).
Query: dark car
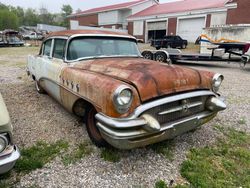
(170, 41)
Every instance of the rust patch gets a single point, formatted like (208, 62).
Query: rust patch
(150, 78)
(95, 88)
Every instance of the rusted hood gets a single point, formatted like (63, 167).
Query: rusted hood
(150, 78)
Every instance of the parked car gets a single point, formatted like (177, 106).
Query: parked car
(33, 36)
(9, 153)
(10, 38)
(170, 41)
(126, 101)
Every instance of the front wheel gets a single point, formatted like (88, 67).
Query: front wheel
(147, 55)
(39, 89)
(92, 129)
(183, 46)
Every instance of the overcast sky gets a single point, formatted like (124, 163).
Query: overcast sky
(55, 5)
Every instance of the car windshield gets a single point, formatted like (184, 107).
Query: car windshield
(84, 48)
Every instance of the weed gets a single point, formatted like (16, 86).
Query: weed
(82, 150)
(38, 155)
(32, 158)
(165, 148)
(161, 184)
(110, 154)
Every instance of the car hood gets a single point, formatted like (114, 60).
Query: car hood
(150, 78)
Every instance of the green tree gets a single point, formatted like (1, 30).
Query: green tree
(19, 12)
(66, 11)
(8, 19)
(31, 17)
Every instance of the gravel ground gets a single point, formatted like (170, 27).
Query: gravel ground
(38, 117)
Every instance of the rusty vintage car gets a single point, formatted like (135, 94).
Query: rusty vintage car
(127, 101)
(9, 153)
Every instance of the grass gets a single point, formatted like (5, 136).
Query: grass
(164, 148)
(227, 164)
(18, 51)
(31, 159)
(16, 56)
(37, 156)
(161, 184)
(110, 154)
(82, 150)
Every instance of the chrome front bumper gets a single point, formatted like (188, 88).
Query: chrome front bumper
(139, 130)
(8, 161)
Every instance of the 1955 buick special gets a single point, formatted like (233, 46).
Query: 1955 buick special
(126, 101)
(9, 153)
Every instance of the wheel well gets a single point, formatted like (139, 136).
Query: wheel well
(80, 106)
(33, 77)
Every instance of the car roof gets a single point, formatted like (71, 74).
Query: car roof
(69, 33)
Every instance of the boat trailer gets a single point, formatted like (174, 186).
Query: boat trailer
(228, 52)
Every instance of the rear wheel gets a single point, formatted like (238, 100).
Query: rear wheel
(160, 57)
(39, 89)
(92, 129)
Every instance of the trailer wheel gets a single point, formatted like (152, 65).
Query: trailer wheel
(147, 55)
(160, 57)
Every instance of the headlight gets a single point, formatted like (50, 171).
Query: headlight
(216, 82)
(3, 143)
(123, 97)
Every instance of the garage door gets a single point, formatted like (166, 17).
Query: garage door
(191, 29)
(157, 25)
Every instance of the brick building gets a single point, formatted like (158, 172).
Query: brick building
(148, 19)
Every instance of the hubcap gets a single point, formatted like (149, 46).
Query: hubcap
(160, 58)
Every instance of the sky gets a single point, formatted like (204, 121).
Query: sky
(55, 5)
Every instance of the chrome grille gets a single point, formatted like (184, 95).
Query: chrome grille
(178, 109)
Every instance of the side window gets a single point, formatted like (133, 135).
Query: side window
(47, 47)
(59, 47)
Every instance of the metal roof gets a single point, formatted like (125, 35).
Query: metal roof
(180, 6)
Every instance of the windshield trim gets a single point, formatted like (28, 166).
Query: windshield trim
(102, 56)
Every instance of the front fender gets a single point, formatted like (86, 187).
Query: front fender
(95, 88)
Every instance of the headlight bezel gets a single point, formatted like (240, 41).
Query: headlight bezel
(122, 108)
(5, 141)
(217, 81)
